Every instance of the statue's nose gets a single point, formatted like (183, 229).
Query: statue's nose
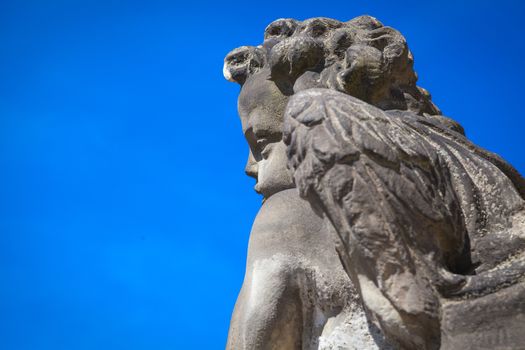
(251, 168)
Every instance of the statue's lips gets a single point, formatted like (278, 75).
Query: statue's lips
(273, 174)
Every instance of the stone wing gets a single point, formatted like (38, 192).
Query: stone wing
(413, 202)
(378, 180)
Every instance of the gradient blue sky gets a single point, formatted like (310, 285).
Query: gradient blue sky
(124, 210)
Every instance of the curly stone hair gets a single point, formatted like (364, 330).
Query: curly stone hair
(360, 57)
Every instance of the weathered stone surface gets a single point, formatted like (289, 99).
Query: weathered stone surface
(429, 228)
(296, 294)
(429, 224)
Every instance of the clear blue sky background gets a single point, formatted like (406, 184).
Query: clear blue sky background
(124, 210)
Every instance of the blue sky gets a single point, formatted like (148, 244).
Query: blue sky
(124, 209)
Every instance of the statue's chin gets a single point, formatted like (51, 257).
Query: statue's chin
(267, 190)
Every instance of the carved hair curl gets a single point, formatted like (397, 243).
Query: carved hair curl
(360, 57)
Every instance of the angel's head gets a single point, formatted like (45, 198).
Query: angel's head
(360, 57)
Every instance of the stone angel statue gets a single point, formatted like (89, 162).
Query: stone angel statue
(430, 228)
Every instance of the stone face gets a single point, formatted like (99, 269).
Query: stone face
(429, 228)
